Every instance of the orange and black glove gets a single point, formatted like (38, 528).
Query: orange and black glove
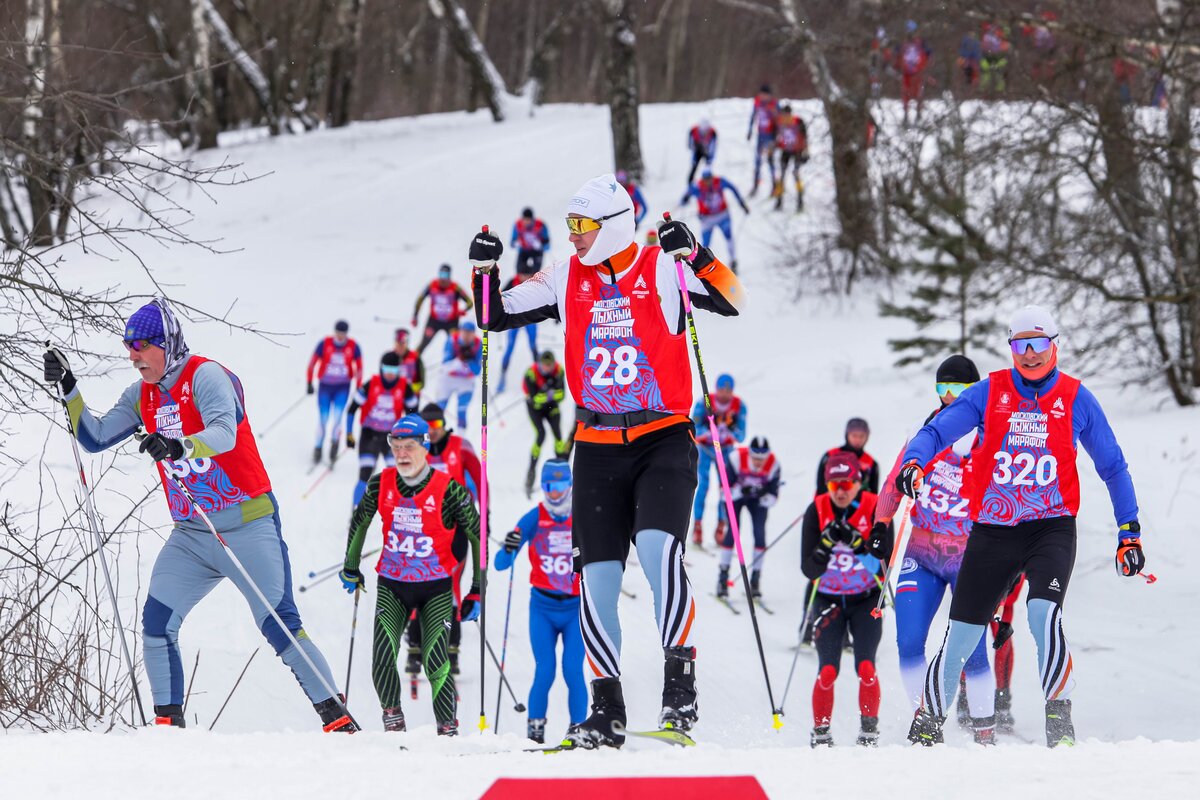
(1130, 558)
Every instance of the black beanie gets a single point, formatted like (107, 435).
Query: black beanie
(390, 359)
(957, 369)
(432, 412)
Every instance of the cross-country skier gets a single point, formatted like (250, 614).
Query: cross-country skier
(530, 332)
(444, 310)
(834, 553)
(857, 434)
(531, 237)
(702, 142)
(337, 362)
(1023, 491)
(195, 414)
(941, 523)
(452, 454)
(791, 139)
(762, 127)
(412, 369)
(463, 357)
(545, 387)
(384, 399)
(912, 59)
(635, 462)
(730, 414)
(754, 477)
(709, 192)
(553, 596)
(635, 195)
(428, 520)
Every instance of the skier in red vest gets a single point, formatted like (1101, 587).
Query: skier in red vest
(1023, 490)
(709, 192)
(384, 399)
(445, 310)
(195, 414)
(337, 363)
(702, 141)
(531, 237)
(754, 476)
(628, 368)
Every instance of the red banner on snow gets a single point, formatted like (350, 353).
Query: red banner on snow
(720, 787)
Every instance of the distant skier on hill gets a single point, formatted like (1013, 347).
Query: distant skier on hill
(384, 399)
(762, 129)
(337, 363)
(702, 141)
(754, 476)
(709, 192)
(531, 237)
(463, 358)
(444, 310)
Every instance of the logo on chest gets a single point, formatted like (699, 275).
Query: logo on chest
(612, 318)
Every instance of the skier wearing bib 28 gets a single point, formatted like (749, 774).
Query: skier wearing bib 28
(1023, 489)
(835, 554)
(553, 596)
(337, 362)
(941, 523)
(635, 461)
(428, 520)
(195, 414)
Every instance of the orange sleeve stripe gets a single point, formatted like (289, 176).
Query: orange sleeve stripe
(683, 637)
(722, 278)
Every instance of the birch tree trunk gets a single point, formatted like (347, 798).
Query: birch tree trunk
(203, 113)
(474, 55)
(247, 66)
(343, 61)
(37, 179)
(621, 71)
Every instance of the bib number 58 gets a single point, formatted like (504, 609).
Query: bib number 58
(1024, 469)
(623, 360)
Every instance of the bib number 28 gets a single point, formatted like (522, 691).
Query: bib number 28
(623, 361)
(1024, 469)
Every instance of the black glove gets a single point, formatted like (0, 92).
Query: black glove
(486, 249)
(469, 610)
(1130, 558)
(676, 239)
(908, 481)
(55, 370)
(512, 542)
(1004, 631)
(311, 389)
(881, 541)
(160, 447)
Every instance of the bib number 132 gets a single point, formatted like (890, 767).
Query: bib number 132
(1024, 469)
(623, 361)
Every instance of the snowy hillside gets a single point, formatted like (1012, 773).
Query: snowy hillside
(351, 224)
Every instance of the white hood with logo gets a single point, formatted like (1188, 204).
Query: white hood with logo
(601, 197)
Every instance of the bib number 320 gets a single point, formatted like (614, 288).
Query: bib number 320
(623, 361)
(1024, 469)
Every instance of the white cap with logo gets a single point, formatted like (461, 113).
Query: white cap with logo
(1032, 318)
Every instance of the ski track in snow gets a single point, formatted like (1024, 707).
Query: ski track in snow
(351, 224)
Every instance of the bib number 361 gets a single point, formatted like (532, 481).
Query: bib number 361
(623, 360)
(1024, 469)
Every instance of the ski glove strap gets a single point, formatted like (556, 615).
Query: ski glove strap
(909, 480)
(881, 542)
(469, 610)
(486, 249)
(161, 448)
(56, 370)
(351, 579)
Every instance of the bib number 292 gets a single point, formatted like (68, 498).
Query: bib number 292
(1024, 469)
(623, 360)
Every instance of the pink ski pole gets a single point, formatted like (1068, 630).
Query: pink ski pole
(483, 502)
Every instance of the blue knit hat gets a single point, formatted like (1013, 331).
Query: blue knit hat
(411, 426)
(556, 471)
(147, 323)
(725, 382)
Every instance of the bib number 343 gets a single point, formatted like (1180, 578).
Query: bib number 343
(623, 361)
(1025, 469)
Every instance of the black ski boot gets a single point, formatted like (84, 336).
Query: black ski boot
(536, 730)
(333, 452)
(1059, 728)
(334, 718)
(754, 590)
(413, 665)
(393, 720)
(984, 730)
(868, 732)
(1004, 716)
(963, 709)
(680, 710)
(608, 710)
(448, 728)
(723, 582)
(926, 729)
(317, 454)
(170, 715)
(820, 737)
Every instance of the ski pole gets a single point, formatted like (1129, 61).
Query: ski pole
(897, 555)
(353, 630)
(262, 598)
(483, 504)
(338, 565)
(263, 433)
(236, 684)
(788, 687)
(777, 721)
(518, 706)
(786, 530)
(93, 522)
(319, 580)
(512, 571)
(324, 473)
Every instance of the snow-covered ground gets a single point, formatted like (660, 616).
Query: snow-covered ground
(351, 224)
